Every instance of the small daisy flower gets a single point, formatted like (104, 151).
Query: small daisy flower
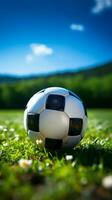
(69, 157)
(23, 163)
(16, 137)
(107, 182)
(40, 168)
(73, 164)
(5, 129)
(47, 164)
(39, 141)
(5, 144)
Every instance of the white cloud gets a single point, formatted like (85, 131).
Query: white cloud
(77, 27)
(29, 58)
(41, 49)
(38, 50)
(101, 5)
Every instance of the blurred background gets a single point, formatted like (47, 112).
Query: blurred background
(65, 43)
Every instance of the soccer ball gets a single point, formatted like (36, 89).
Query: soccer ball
(55, 117)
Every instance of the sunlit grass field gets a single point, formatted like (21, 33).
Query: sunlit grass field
(82, 173)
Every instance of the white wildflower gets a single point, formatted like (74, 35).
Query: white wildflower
(16, 137)
(107, 182)
(47, 164)
(40, 168)
(69, 157)
(39, 141)
(5, 144)
(5, 129)
(73, 164)
(23, 163)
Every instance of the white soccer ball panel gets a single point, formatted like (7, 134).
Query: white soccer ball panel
(57, 90)
(37, 103)
(71, 141)
(53, 124)
(74, 107)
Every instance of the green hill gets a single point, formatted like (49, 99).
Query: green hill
(101, 70)
(93, 85)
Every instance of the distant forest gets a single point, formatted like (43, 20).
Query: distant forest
(93, 85)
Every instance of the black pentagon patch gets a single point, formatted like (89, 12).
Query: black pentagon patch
(33, 122)
(53, 143)
(74, 95)
(55, 102)
(75, 126)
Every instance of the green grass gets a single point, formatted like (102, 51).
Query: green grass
(51, 176)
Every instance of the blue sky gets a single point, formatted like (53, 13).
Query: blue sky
(42, 36)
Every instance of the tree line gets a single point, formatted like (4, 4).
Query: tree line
(95, 91)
